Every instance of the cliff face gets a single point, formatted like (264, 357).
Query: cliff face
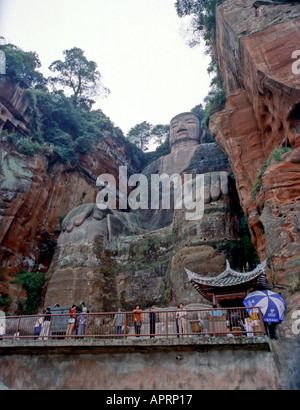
(35, 192)
(254, 46)
(14, 107)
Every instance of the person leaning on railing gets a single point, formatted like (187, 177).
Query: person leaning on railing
(46, 324)
(71, 323)
(38, 326)
(118, 323)
(82, 322)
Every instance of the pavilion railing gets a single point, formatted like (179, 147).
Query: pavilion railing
(166, 323)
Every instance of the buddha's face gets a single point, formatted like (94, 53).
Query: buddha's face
(184, 130)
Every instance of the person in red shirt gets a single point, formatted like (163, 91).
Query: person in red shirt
(71, 323)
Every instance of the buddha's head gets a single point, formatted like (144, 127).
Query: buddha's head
(184, 131)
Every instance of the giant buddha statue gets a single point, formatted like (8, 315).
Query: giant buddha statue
(94, 243)
(189, 155)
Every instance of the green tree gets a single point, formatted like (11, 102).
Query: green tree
(159, 133)
(79, 75)
(202, 13)
(199, 111)
(22, 65)
(140, 135)
(144, 133)
(203, 25)
(32, 282)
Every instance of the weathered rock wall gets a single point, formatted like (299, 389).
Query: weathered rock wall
(34, 193)
(254, 46)
(15, 109)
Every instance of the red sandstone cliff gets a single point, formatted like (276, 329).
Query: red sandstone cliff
(34, 193)
(262, 113)
(254, 46)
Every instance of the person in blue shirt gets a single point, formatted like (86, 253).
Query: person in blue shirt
(216, 312)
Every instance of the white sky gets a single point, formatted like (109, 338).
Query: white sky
(152, 74)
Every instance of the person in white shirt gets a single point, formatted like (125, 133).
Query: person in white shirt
(180, 316)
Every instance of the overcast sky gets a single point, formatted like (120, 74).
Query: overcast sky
(152, 74)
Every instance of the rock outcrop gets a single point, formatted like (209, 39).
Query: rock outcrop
(36, 192)
(15, 110)
(254, 46)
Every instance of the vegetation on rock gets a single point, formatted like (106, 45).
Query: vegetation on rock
(202, 26)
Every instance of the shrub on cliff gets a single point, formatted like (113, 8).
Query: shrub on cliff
(275, 154)
(71, 129)
(203, 26)
(203, 19)
(32, 283)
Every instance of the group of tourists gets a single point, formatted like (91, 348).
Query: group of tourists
(119, 321)
(77, 322)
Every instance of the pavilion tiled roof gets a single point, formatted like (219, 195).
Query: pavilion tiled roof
(229, 277)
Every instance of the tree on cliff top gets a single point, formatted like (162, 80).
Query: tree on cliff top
(140, 135)
(203, 26)
(202, 23)
(80, 75)
(144, 133)
(22, 65)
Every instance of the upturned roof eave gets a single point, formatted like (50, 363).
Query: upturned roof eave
(219, 281)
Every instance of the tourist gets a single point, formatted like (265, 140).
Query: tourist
(71, 323)
(152, 318)
(37, 327)
(216, 312)
(181, 314)
(119, 322)
(46, 324)
(176, 320)
(137, 319)
(271, 328)
(235, 320)
(82, 322)
(2, 331)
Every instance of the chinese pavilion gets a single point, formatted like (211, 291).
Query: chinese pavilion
(229, 285)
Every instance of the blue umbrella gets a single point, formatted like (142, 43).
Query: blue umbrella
(271, 304)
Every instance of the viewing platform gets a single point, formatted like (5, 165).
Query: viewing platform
(161, 330)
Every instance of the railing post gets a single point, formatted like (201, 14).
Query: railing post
(125, 325)
(86, 324)
(49, 330)
(167, 325)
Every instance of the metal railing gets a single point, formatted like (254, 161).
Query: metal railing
(164, 323)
